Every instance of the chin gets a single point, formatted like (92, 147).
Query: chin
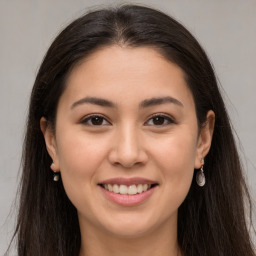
(128, 232)
(127, 226)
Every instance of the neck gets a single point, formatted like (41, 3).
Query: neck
(162, 241)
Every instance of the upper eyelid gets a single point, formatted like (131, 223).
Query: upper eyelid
(162, 115)
(93, 115)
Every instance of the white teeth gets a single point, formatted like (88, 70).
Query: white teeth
(140, 188)
(127, 190)
(123, 189)
(132, 190)
(116, 189)
(145, 187)
(109, 187)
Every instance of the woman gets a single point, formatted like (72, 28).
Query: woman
(126, 112)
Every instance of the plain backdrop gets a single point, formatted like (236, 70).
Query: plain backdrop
(226, 29)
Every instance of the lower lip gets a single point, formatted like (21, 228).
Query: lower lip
(128, 200)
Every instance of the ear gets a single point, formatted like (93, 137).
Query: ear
(50, 142)
(205, 139)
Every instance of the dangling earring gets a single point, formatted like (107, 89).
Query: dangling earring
(200, 177)
(56, 176)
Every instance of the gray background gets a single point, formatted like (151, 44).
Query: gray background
(226, 29)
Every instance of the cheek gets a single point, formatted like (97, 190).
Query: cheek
(176, 159)
(176, 151)
(80, 156)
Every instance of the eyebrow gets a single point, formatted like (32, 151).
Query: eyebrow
(94, 101)
(159, 101)
(144, 104)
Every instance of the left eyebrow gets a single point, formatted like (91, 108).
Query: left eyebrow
(160, 101)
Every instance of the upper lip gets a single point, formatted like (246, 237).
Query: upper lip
(128, 181)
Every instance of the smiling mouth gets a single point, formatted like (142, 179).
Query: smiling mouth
(127, 190)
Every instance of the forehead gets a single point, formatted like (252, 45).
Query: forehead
(126, 74)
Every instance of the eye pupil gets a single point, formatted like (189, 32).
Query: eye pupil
(97, 120)
(159, 120)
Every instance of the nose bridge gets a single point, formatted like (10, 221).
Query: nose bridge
(127, 149)
(128, 141)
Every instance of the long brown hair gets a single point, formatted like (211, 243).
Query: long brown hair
(212, 219)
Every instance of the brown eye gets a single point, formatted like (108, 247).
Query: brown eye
(159, 120)
(95, 120)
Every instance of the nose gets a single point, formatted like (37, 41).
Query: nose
(127, 148)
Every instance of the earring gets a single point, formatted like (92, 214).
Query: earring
(56, 176)
(200, 177)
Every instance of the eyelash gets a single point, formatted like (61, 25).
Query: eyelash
(89, 118)
(164, 116)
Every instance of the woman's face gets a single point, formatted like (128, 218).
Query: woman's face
(126, 121)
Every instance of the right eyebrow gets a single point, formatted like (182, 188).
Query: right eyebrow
(94, 101)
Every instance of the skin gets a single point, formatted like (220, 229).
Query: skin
(127, 143)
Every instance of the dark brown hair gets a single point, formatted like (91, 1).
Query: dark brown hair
(212, 219)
